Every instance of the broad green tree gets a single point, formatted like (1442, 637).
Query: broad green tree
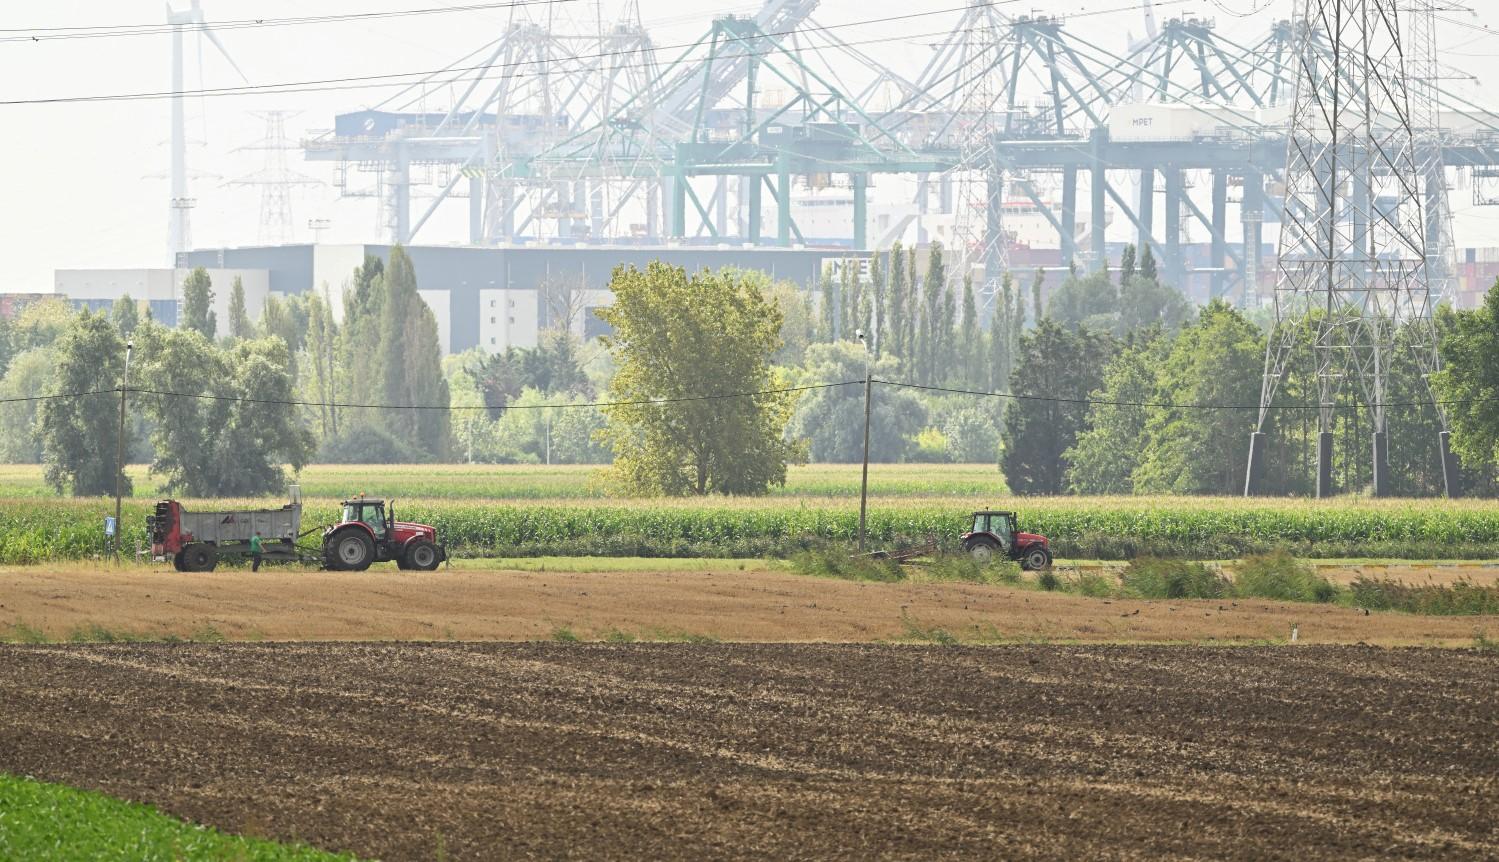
(125, 315)
(681, 345)
(229, 426)
(1219, 360)
(197, 303)
(30, 373)
(1057, 370)
(831, 420)
(1104, 458)
(1469, 382)
(79, 434)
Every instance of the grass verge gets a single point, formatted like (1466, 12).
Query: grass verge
(40, 821)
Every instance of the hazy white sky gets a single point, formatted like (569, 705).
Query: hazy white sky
(87, 182)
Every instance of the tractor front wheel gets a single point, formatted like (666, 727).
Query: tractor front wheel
(1035, 558)
(983, 551)
(349, 550)
(420, 555)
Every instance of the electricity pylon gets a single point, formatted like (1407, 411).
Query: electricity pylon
(1352, 263)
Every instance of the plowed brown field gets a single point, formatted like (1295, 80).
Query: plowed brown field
(469, 605)
(595, 751)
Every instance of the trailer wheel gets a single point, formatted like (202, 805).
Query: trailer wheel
(420, 555)
(983, 551)
(350, 550)
(199, 557)
(177, 562)
(1035, 558)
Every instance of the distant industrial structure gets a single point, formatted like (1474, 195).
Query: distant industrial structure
(776, 140)
(752, 136)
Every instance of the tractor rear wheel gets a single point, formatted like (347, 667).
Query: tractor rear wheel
(420, 555)
(1035, 559)
(349, 550)
(983, 551)
(199, 557)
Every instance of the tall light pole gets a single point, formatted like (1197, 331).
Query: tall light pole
(864, 480)
(120, 449)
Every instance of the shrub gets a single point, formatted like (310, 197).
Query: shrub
(1048, 581)
(1281, 576)
(961, 567)
(834, 562)
(1158, 578)
(1093, 585)
(1461, 598)
(366, 444)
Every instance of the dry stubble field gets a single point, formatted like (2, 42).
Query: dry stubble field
(780, 751)
(713, 602)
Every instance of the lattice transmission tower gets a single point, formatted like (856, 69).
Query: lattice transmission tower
(1353, 267)
(276, 180)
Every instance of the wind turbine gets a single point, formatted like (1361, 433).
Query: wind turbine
(179, 234)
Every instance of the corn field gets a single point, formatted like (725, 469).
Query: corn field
(1110, 528)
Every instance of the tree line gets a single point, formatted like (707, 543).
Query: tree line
(1092, 377)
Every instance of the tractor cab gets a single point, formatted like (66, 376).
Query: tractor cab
(370, 513)
(995, 535)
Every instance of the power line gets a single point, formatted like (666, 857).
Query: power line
(50, 34)
(58, 396)
(394, 79)
(450, 407)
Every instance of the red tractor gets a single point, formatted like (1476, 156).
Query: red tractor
(994, 534)
(368, 533)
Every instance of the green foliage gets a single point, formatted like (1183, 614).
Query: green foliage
(79, 435)
(125, 316)
(365, 444)
(930, 448)
(1106, 454)
(234, 436)
(239, 317)
(1460, 598)
(1278, 575)
(1218, 360)
(410, 358)
(832, 420)
(1469, 379)
(197, 304)
(677, 338)
(893, 330)
(30, 373)
(53, 822)
(798, 330)
(1055, 363)
(970, 430)
(1158, 578)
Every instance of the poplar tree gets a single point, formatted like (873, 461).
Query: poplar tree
(239, 318)
(1127, 265)
(125, 315)
(877, 304)
(197, 303)
(1147, 264)
(932, 318)
(1036, 284)
(894, 332)
(970, 344)
(827, 312)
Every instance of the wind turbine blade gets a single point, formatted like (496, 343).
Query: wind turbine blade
(222, 50)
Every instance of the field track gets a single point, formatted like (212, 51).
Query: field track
(780, 751)
(750, 605)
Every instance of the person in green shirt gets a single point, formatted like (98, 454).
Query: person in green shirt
(255, 552)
